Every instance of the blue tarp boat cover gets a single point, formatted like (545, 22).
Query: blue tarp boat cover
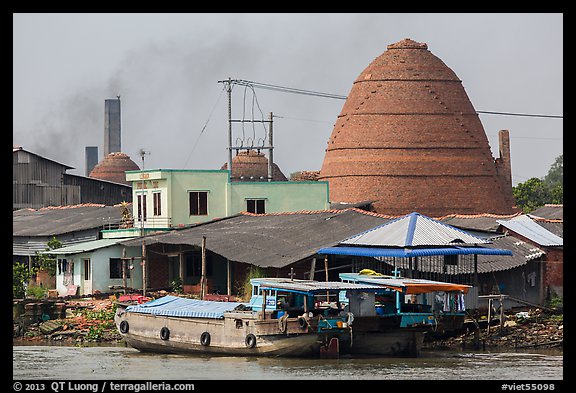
(174, 306)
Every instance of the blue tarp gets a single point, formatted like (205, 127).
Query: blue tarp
(412, 252)
(174, 306)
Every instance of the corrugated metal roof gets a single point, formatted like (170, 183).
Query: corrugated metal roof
(58, 220)
(525, 226)
(402, 282)
(83, 247)
(413, 229)
(522, 252)
(28, 246)
(311, 286)
(274, 240)
(174, 306)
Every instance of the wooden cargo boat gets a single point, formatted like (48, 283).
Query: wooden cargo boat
(283, 318)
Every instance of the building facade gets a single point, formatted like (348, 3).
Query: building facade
(168, 198)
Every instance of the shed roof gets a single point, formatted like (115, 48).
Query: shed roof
(83, 247)
(550, 211)
(57, 220)
(476, 222)
(270, 240)
(525, 226)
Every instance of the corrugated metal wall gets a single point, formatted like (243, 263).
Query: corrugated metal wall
(38, 182)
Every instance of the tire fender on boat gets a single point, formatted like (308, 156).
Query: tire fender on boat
(250, 340)
(302, 322)
(124, 327)
(164, 333)
(205, 339)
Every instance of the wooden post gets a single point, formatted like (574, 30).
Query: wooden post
(203, 277)
(228, 277)
(181, 268)
(476, 270)
(124, 269)
(312, 268)
(489, 315)
(501, 312)
(144, 268)
(263, 304)
(326, 270)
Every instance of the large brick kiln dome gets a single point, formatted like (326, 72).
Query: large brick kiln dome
(409, 138)
(251, 165)
(112, 168)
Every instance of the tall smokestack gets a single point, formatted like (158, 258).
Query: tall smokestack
(91, 158)
(112, 126)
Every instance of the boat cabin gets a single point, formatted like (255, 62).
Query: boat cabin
(417, 301)
(280, 296)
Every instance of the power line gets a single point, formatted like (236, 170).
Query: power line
(203, 128)
(341, 97)
(519, 114)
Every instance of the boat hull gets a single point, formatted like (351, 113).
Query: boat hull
(393, 342)
(235, 334)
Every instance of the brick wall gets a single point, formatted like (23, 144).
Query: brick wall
(409, 137)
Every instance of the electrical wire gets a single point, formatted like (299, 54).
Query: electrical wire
(341, 97)
(203, 128)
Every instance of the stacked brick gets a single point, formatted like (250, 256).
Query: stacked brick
(251, 165)
(409, 138)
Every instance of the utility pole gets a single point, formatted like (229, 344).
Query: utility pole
(228, 85)
(270, 148)
(229, 90)
(203, 274)
(143, 214)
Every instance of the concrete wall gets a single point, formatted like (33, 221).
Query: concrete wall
(281, 196)
(100, 274)
(224, 198)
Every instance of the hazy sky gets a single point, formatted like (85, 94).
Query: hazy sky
(166, 68)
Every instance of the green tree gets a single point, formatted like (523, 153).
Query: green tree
(20, 277)
(535, 192)
(47, 262)
(555, 176)
(531, 194)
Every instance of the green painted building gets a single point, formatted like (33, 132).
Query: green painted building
(168, 198)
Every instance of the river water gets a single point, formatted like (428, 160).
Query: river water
(124, 363)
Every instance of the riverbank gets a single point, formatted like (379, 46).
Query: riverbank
(88, 321)
(532, 328)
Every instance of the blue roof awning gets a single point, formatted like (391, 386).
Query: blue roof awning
(411, 252)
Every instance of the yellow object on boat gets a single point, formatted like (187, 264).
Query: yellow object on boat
(369, 272)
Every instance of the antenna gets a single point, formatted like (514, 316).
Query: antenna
(143, 153)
